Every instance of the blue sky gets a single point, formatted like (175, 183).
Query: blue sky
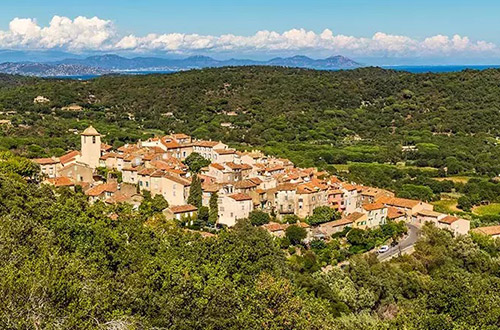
(361, 19)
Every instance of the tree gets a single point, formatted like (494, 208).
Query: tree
(213, 214)
(152, 205)
(195, 192)
(295, 234)
(259, 218)
(291, 218)
(196, 162)
(322, 214)
(159, 203)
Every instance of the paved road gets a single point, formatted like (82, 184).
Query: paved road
(413, 235)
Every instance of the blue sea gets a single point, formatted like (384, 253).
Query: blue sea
(407, 68)
(438, 68)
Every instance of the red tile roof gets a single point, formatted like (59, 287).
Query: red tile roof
(46, 161)
(449, 219)
(490, 230)
(100, 189)
(61, 181)
(182, 208)
(69, 156)
(394, 213)
(373, 206)
(241, 197)
(208, 144)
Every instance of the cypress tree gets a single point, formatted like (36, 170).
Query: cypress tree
(213, 214)
(195, 192)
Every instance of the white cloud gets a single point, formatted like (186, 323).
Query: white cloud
(89, 34)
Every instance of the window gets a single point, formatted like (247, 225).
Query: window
(232, 216)
(93, 139)
(147, 184)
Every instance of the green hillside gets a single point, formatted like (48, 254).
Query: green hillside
(313, 117)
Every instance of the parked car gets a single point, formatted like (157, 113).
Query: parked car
(383, 248)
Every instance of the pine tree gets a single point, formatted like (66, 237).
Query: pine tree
(195, 192)
(213, 214)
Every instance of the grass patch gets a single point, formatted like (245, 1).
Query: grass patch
(492, 209)
(456, 179)
(446, 206)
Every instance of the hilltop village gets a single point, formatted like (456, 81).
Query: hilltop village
(241, 182)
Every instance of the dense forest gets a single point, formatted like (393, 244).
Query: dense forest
(66, 264)
(446, 120)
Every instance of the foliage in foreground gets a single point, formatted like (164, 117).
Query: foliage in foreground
(67, 265)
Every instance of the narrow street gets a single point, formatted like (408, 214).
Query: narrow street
(410, 240)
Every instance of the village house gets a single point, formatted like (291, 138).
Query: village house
(48, 166)
(175, 189)
(180, 212)
(77, 172)
(101, 191)
(207, 149)
(233, 207)
(493, 231)
(332, 227)
(308, 197)
(276, 229)
(351, 201)
(61, 181)
(456, 225)
(409, 206)
(282, 199)
(376, 214)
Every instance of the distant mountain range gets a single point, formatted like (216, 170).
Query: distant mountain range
(103, 64)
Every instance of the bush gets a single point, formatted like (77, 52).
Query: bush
(295, 234)
(259, 218)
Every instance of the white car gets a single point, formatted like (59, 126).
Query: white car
(383, 248)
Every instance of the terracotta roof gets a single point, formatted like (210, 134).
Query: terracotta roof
(177, 179)
(245, 167)
(286, 187)
(210, 188)
(146, 171)
(209, 144)
(255, 180)
(354, 216)
(349, 187)
(335, 192)
(182, 208)
(90, 131)
(233, 166)
(106, 147)
(336, 223)
(132, 169)
(225, 151)
(373, 206)
(105, 187)
(490, 230)
(180, 136)
(109, 155)
(274, 226)
(245, 184)
(69, 156)
(217, 166)
(399, 202)
(60, 181)
(394, 213)
(302, 224)
(449, 219)
(172, 144)
(241, 197)
(46, 161)
(429, 213)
